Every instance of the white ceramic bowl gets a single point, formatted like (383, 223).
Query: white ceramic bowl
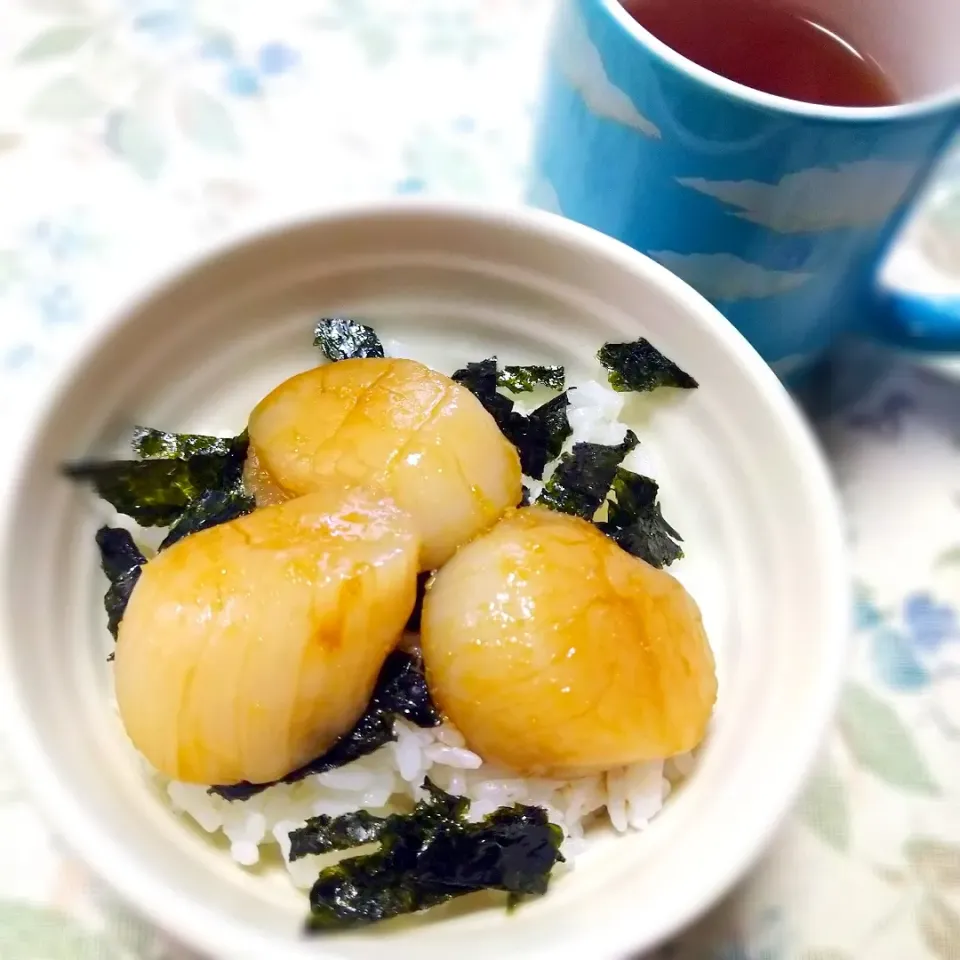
(741, 478)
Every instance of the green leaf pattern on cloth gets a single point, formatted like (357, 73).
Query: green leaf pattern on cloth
(824, 808)
(206, 122)
(939, 925)
(57, 41)
(134, 130)
(31, 932)
(136, 140)
(936, 863)
(879, 740)
(67, 98)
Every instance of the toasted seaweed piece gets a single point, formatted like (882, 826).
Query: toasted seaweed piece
(432, 855)
(527, 378)
(153, 492)
(634, 520)
(524, 496)
(151, 444)
(484, 377)
(529, 441)
(156, 492)
(119, 553)
(555, 425)
(209, 510)
(479, 377)
(649, 539)
(640, 366)
(439, 803)
(343, 339)
(401, 691)
(364, 890)
(324, 834)
(121, 560)
(583, 477)
(372, 731)
(539, 437)
(413, 624)
(513, 849)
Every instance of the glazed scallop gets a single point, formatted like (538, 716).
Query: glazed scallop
(395, 425)
(557, 653)
(260, 484)
(247, 649)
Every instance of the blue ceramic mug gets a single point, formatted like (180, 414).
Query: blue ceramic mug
(777, 211)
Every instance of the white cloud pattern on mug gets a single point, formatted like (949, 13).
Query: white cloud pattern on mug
(859, 194)
(792, 363)
(722, 276)
(580, 63)
(543, 195)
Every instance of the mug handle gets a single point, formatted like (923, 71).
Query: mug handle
(917, 321)
(916, 300)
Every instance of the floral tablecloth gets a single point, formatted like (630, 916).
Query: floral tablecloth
(131, 129)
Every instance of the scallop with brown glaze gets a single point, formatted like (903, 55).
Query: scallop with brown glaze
(247, 649)
(557, 653)
(395, 425)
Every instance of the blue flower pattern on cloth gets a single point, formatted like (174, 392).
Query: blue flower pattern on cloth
(161, 21)
(931, 624)
(184, 68)
(39, 273)
(904, 646)
(249, 78)
(243, 76)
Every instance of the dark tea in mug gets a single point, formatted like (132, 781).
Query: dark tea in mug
(774, 46)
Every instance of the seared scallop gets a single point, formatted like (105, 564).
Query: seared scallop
(397, 426)
(247, 649)
(557, 653)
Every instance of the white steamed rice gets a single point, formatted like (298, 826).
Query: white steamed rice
(390, 779)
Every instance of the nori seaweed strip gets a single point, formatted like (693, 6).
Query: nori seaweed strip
(526, 378)
(432, 855)
(150, 444)
(583, 477)
(480, 378)
(635, 522)
(343, 339)
(640, 366)
(539, 437)
(371, 732)
(325, 834)
(401, 691)
(156, 492)
(153, 492)
(413, 624)
(121, 561)
(209, 510)
(554, 424)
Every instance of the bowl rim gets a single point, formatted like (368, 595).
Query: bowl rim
(86, 835)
